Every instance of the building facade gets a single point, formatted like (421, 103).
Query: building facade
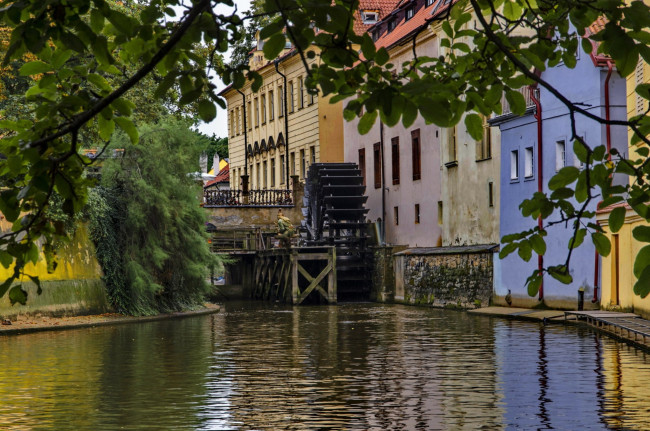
(523, 173)
(401, 166)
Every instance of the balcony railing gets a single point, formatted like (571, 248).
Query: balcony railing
(233, 198)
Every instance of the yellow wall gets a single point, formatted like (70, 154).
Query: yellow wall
(314, 123)
(621, 274)
(74, 287)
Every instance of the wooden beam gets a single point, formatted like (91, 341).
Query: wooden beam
(314, 283)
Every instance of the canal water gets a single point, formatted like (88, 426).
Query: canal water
(257, 366)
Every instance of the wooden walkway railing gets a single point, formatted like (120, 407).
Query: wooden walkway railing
(627, 326)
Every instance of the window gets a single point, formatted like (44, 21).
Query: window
(303, 162)
(292, 163)
(291, 97)
(250, 111)
(369, 17)
(391, 25)
(428, 3)
(484, 146)
(415, 150)
(376, 156)
(394, 145)
(281, 101)
(440, 212)
(265, 174)
(417, 213)
(257, 174)
(362, 164)
(528, 163)
(282, 169)
(263, 108)
(396, 215)
(312, 154)
(451, 144)
(301, 93)
(272, 172)
(236, 121)
(271, 106)
(490, 194)
(514, 165)
(560, 155)
(257, 112)
(310, 97)
(409, 13)
(232, 123)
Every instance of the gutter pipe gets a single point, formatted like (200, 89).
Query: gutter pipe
(540, 180)
(243, 99)
(383, 183)
(286, 124)
(608, 133)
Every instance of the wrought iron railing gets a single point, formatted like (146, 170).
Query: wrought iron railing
(255, 197)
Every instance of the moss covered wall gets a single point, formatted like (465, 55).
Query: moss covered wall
(75, 287)
(444, 278)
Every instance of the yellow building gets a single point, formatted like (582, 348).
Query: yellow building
(617, 276)
(270, 139)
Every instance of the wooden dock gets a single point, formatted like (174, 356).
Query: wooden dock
(284, 274)
(625, 326)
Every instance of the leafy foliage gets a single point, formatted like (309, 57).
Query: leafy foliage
(150, 237)
(489, 49)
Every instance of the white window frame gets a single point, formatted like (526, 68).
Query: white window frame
(560, 154)
(529, 160)
(514, 165)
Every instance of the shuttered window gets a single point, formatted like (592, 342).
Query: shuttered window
(362, 164)
(376, 155)
(394, 144)
(415, 147)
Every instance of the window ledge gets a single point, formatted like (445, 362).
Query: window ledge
(514, 180)
(451, 164)
(531, 178)
(484, 160)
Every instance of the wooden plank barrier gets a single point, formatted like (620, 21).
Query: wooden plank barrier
(284, 274)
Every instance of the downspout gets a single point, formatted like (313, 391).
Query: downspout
(540, 179)
(608, 134)
(383, 183)
(243, 99)
(286, 124)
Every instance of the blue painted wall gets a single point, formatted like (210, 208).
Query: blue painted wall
(583, 84)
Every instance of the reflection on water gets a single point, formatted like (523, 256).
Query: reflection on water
(353, 366)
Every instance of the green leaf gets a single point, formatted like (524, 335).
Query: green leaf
(534, 282)
(565, 176)
(474, 125)
(274, 46)
(17, 295)
(207, 110)
(578, 239)
(603, 246)
(96, 20)
(580, 151)
(368, 47)
(37, 282)
(366, 122)
(106, 127)
(6, 285)
(642, 285)
(5, 259)
(538, 244)
(525, 250)
(616, 219)
(512, 10)
(641, 233)
(128, 127)
(641, 261)
(382, 56)
(560, 273)
(516, 101)
(34, 68)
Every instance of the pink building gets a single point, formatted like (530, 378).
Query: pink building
(406, 192)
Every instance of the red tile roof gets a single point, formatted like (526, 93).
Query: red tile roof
(404, 28)
(222, 177)
(384, 7)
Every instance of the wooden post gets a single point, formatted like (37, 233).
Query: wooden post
(295, 289)
(331, 278)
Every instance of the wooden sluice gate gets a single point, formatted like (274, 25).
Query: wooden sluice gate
(295, 275)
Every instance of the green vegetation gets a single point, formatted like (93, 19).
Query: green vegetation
(86, 59)
(149, 228)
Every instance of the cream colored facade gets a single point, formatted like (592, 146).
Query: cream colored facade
(617, 275)
(315, 127)
(470, 180)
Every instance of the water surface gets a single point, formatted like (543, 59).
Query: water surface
(257, 366)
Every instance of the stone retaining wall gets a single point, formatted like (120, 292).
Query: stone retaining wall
(458, 277)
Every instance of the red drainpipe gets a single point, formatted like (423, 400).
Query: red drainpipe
(609, 157)
(540, 178)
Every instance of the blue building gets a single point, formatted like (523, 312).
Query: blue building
(586, 85)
